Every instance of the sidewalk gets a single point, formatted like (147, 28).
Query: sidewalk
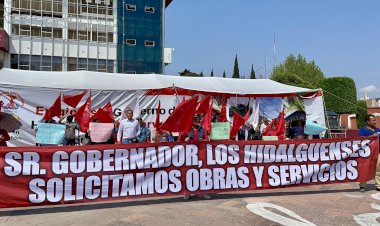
(334, 204)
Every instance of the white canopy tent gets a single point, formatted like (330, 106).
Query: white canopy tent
(28, 94)
(106, 81)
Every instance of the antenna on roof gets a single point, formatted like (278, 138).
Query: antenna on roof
(274, 48)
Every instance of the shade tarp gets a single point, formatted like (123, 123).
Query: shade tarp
(113, 81)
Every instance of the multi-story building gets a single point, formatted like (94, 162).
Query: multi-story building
(123, 36)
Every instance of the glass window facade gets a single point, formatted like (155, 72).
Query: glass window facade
(144, 24)
(77, 64)
(36, 63)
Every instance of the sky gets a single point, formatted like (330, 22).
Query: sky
(341, 36)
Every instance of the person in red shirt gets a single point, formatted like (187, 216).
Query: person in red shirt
(4, 137)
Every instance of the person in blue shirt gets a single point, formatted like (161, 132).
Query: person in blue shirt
(145, 134)
(370, 130)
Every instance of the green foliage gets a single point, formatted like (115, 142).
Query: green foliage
(236, 69)
(212, 73)
(295, 103)
(224, 74)
(296, 71)
(201, 74)
(361, 113)
(339, 94)
(253, 75)
(189, 73)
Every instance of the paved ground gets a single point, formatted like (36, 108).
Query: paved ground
(338, 204)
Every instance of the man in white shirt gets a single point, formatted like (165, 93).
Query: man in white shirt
(129, 129)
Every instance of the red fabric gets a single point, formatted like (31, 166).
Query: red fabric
(246, 116)
(268, 128)
(73, 100)
(206, 121)
(5, 135)
(223, 116)
(108, 110)
(182, 137)
(181, 119)
(157, 123)
(82, 116)
(102, 116)
(196, 138)
(54, 110)
(271, 133)
(203, 105)
(20, 189)
(237, 123)
(280, 132)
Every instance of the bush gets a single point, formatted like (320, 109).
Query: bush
(361, 113)
(339, 94)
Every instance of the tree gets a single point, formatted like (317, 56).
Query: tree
(253, 75)
(361, 113)
(224, 74)
(201, 74)
(339, 94)
(297, 71)
(212, 73)
(188, 73)
(236, 69)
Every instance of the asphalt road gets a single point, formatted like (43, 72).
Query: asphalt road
(335, 204)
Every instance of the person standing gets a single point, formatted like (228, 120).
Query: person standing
(246, 132)
(370, 130)
(144, 135)
(129, 129)
(197, 133)
(71, 127)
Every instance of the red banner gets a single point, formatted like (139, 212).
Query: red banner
(34, 176)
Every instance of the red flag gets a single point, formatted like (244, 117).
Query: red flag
(206, 121)
(223, 116)
(203, 105)
(182, 117)
(54, 110)
(108, 110)
(246, 116)
(82, 116)
(73, 100)
(268, 128)
(157, 122)
(281, 126)
(102, 116)
(237, 123)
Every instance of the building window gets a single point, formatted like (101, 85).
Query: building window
(149, 9)
(149, 43)
(100, 8)
(100, 65)
(36, 63)
(131, 42)
(131, 7)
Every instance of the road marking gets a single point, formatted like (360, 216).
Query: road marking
(259, 209)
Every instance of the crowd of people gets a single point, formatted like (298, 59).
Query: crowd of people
(135, 130)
